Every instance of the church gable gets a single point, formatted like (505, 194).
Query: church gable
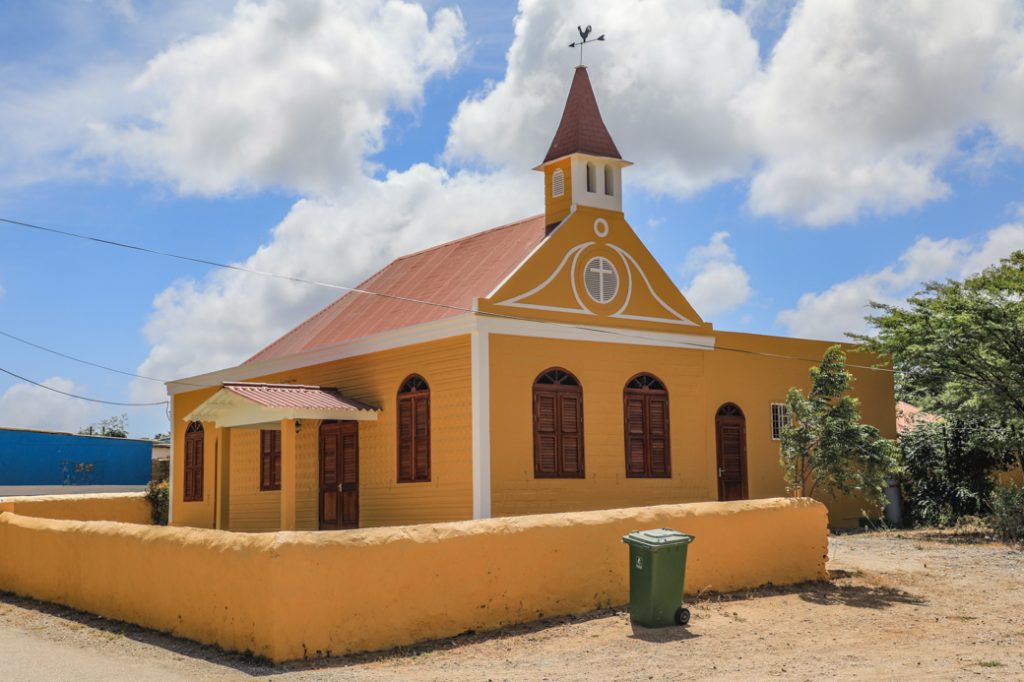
(593, 269)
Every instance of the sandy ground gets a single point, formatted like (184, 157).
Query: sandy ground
(906, 606)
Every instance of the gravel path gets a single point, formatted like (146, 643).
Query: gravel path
(906, 606)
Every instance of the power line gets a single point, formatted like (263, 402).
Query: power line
(95, 364)
(79, 397)
(406, 299)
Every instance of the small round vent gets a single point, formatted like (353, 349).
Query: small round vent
(601, 279)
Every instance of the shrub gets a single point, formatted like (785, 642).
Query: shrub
(948, 470)
(1007, 517)
(158, 493)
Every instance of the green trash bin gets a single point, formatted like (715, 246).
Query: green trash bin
(657, 569)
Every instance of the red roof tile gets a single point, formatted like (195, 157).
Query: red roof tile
(581, 128)
(451, 274)
(296, 396)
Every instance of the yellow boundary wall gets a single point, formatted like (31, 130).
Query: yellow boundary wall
(290, 595)
(123, 507)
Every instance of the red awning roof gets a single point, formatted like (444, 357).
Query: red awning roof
(296, 396)
(255, 405)
(452, 274)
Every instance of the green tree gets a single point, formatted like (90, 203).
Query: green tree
(947, 470)
(958, 348)
(826, 448)
(112, 427)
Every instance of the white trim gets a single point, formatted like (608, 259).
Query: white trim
(170, 472)
(433, 331)
(481, 401)
(395, 338)
(548, 330)
(572, 210)
(683, 320)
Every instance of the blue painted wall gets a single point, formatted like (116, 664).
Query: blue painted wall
(39, 458)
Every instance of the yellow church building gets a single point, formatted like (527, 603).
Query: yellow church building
(548, 365)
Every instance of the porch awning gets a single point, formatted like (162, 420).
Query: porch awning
(252, 405)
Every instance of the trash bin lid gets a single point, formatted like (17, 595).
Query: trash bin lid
(657, 538)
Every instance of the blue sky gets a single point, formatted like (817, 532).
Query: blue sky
(783, 176)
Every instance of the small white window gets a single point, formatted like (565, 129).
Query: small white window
(558, 183)
(591, 178)
(609, 181)
(780, 417)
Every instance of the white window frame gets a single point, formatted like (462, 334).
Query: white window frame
(783, 409)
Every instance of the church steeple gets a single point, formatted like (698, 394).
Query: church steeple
(583, 166)
(581, 129)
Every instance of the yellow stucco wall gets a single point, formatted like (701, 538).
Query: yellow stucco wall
(753, 382)
(196, 513)
(121, 507)
(603, 370)
(556, 208)
(698, 383)
(290, 595)
(374, 379)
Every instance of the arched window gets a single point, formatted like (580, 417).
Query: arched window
(557, 425)
(609, 181)
(558, 183)
(645, 409)
(414, 430)
(194, 462)
(591, 178)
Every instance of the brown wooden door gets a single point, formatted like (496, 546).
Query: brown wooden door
(339, 475)
(731, 439)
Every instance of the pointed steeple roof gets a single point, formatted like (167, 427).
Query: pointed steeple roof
(581, 129)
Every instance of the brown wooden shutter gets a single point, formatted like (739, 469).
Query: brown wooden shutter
(421, 435)
(636, 442)
(571, 434)
(193, 466)
(657, 435)
(545, 433)
(405, 438)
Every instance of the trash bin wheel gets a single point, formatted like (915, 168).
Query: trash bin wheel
(682, 615)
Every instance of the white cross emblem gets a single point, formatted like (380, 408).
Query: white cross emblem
(602, 268)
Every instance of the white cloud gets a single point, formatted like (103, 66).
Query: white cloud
(223, 319)
(53, 110)
(291, 94)
(664, 96)
(717, 282)
(841, 308)
(31, 407)
(860, 107)
(863, 103)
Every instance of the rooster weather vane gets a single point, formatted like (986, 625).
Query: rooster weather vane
(585, 38)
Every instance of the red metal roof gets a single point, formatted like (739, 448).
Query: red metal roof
(451, 274)
(581, 128)
(296, 396)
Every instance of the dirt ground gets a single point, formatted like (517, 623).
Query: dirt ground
(906, 606)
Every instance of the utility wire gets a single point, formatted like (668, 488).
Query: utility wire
(406, 299)
(79, 397)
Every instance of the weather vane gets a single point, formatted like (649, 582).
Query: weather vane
(585, 36)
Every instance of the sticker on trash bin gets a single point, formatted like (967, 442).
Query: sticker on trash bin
(640, 563)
